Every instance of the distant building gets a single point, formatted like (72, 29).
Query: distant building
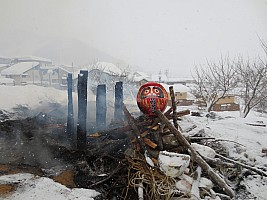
(24, 73)
(105, 73)
(5, 60)
(56, 75)
(40, 60)
(182, 81)
(182, 94)
(140, 78)
(226, 103)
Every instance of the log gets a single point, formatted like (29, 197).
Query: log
(258, 171)
(196, 157)
(135, 129)
(174, 116)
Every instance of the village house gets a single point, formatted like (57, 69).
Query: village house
(42, 61)
(226, 103)
(182, 94)
(24, 73)
(140, 78)
(56, 75)
(24, 70)
(105, 73)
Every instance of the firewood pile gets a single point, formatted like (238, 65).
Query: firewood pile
(163, 163)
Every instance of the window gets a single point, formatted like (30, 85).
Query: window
(223, 107)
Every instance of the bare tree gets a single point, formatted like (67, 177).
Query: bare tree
(215, 81)
(253, 81)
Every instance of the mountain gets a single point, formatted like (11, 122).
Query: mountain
(68, 51)
(60, 50)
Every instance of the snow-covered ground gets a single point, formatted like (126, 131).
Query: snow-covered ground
(32, 187)
(243, 141)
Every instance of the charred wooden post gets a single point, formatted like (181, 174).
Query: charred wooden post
(174, 117)
(82, 109)
(118, 113)
(70, 120)
(101, 107)
(196, 157)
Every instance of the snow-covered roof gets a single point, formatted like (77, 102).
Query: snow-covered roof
(32, 58)
(176, 87)
(19, 68)
(138, 76)
(163, 77)
(109, 68)
(183, 79)
(180, 88)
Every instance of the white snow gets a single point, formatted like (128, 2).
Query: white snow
(109, 68)
(19, 68)
(32, 187)
(31, 96)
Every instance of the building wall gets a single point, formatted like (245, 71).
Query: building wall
(226, 107)
(181, 97)
(227, 99)
(226, 103)
(31, 76)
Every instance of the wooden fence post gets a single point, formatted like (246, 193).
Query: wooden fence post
(82, 109)
(118, 113)
(101, 108)
(70, 120)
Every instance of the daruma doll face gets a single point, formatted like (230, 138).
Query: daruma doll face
(152, 96)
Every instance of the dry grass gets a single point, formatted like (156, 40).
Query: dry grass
(65, 178)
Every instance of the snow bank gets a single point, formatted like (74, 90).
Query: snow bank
(32, 187)
(30, 95)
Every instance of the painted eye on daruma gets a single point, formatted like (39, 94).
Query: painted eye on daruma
(156, 90)
(147, 91)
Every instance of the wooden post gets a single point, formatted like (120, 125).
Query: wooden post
(82, 109)
(173, 107)
(118, 113)
(70, 120)
(101, 108)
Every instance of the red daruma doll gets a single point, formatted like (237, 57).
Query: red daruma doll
(150, 97)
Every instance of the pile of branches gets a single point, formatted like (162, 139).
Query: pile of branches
(139, 173)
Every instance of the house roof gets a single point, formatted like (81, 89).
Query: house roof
(176, 87)
(180, 88)
(19, 68)
(138, 76)
(163, 77)
(32, 59)
(109, 68)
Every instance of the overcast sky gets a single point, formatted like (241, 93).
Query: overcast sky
(150, 35)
